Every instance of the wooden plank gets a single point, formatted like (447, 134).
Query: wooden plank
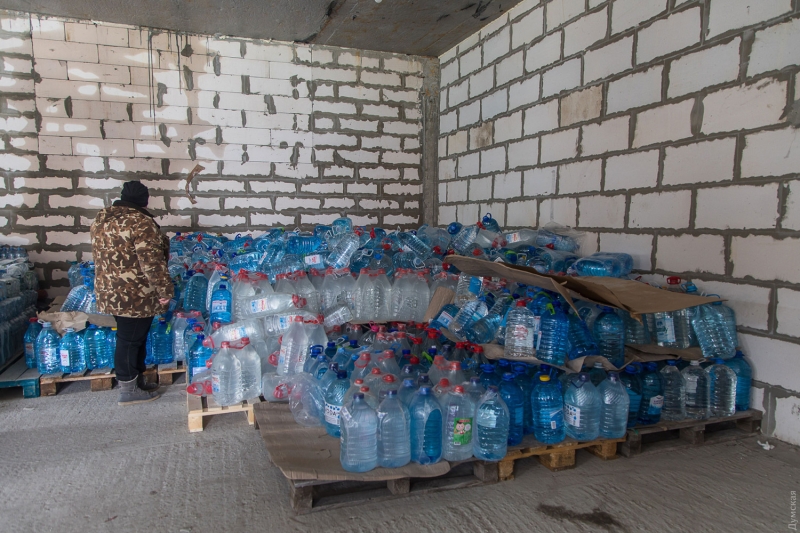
(301, 498)
(606, 450)
(399, 486)
(16, 371)
(560, 460)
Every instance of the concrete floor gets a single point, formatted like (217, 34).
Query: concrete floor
(79, 463)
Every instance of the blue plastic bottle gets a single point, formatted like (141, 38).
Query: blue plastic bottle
(359, 436)
(633, 386)
(426, 427)
(490, 223)
(199, 355)
(303, 244)
(70, 352)
(47, 359)
(582, 405)
(744, 380)
(94, 342)
(162, 343)
(196, 292)
(524, 381)
(221, 305)
(652, 396)
(30, 341)
(490, 434)
(334, 399)
(609, 332)
(512, 395)
(111, 347)
(581, 341)
(553, 343)
(489, 377)
(614, 409)
(547, 404)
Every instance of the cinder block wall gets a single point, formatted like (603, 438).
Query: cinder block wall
(288, 134)
(662, 128)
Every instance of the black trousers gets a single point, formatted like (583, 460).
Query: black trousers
(131, 341)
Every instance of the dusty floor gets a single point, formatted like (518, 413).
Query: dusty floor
(80, 463)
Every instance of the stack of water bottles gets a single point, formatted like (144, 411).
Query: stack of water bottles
(18, 295)
(74, 352)
(81, 296)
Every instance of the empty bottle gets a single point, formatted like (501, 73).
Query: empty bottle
(111, 347)
(553, 343)
(195, 293)
(512, 395)
(221, 305)
(334, 399)
(490, 438)
(30, 341)
(674, 392)
(581, 340)
(359, 436)
(698, 391)
(525, 383)
(547, 406)
(426, 427)
(636, 331)
(484, 330)
(464, 238)
(722, 380)
(70, 352)
(294, 344)
(161, 342)
(445, 316)
(459, 411)
(199, 355)
(394, 432)
(250, 371)
(609, 332)
(614, 408)
(341, 253)
(633, 386)
(225, 376)
(582, 404)
(489, 377)
(470, 313)
(95, 347)
(744, 379)
(407, 390)
(713, 333)
(652, 396)
(521, 332)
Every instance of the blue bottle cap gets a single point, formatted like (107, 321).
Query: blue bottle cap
(406, 352)
(358, 396)
(502, 363)
(492, 388)
(432, 351)
(331, 344)
(425, 390)
(353, 343)
(391, 393)
(321, 357)
(408, 382)
(718, 361)
(672, 362)
(341, 374)
(651, 366)
(474, 380)
(630, 369)
(508, 376)
(487, 369)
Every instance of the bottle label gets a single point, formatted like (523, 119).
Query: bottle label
(29, 348)
(64, 358)
(656, 403)
(445, 319)
(406, 248)
(511, 238)
(522, 334)
(196, 370)
(556, 418)
(219, 306)
(691, 386)
(462, 432)
(282, 355)
(665, 329)
(332, 413)
(573, 415)
(259, 306)
(215, 383)
(315, 259)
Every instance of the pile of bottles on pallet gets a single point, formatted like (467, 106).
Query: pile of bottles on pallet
(294, 316)
(81, 296)
(18, 295)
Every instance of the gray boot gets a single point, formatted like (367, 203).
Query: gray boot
(130, 393)
(143, 385)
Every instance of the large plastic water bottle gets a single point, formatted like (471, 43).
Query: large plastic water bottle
(199, 355)
(490, 439)
(111, 347)
(341, 253)
(636, 331)
(723, 389)
(582, 405)
(652, 396)
(463, 238)
(547, 405)
(162, 343)
(195, 293)
(609, 332)
(674, 392)
(459, 412)
(294, 344)
(394, 432)
(581, 341)
(614, 409)
(512, 395)
(94, 342)
(698, 391)
(521, 332)
(469, 314)
(523, 380)
(553, 343)
(426, 427)
(633, 386)
(221, 305)
(250, 371)
(70, 352)
(484, 330)
(226, 374)
(713, 332)
(334, 399)
(303, 244)
(744, 379)
(29, 341)
(467, 289)
(359, 436)
(597, 373)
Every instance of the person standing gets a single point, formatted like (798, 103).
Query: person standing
(132, 283)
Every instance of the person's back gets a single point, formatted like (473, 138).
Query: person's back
(132, 282)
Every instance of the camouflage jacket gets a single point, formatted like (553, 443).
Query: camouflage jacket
(130, 257)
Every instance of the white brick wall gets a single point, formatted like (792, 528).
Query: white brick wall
(632, 171)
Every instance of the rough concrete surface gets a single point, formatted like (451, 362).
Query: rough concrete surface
(78, 462)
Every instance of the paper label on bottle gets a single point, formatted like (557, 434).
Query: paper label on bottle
(29, 348)
(314, 259)
(259, 306)
(462, 432)
(691, 386)
(522, 334)
(285, 321)
(215, 383)
(556, 418)
(332, 413)
(445, 319)
(219, 306)
(282, 355)
(665, 329)
(538, 340)
(656, 403)
(511, 238)
(64, 358)
(572, 415)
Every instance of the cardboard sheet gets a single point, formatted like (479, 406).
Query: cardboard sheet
(62, 321)
(441, 297)
(311, 454)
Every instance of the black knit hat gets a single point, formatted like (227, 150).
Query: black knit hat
(135, 193)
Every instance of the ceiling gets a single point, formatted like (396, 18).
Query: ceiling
(419, 27)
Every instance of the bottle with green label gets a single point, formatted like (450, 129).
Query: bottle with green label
(459, 411)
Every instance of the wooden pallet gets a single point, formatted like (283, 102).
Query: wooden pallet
(167, 374)
(318, 495)
(100, 379)
(202, 407)
(673, 435)
(19, 375)
(556, 457)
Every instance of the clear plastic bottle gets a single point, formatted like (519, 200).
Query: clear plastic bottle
(221, 305)
(467, 289)
(581, 341)
(698, 391)
(582, 404)
(458, 425)
(29, 340)
(199, 355)
(633, 386)
(490, 432)
(111, 347)
(713, 333)
(294, 344)
(94, 342)
(470, 313)
(341, 253)
(744, 379)
(614, 408)
(250, 371)
(521, 332)
(674, 392)
(70, 352)
(426, 427)
(474, 389)
(407, 390)
(196, 291)
(394, 432)
(636, 332)
(484, 330)
(359, 436)
(464, 238)
(554, 337)
(652, 396)
(162, 344)
(334, 399)
(226, 376)
(723, 389)
(547, 406)
(609, 332)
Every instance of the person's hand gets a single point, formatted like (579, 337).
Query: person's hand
(163, 301)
